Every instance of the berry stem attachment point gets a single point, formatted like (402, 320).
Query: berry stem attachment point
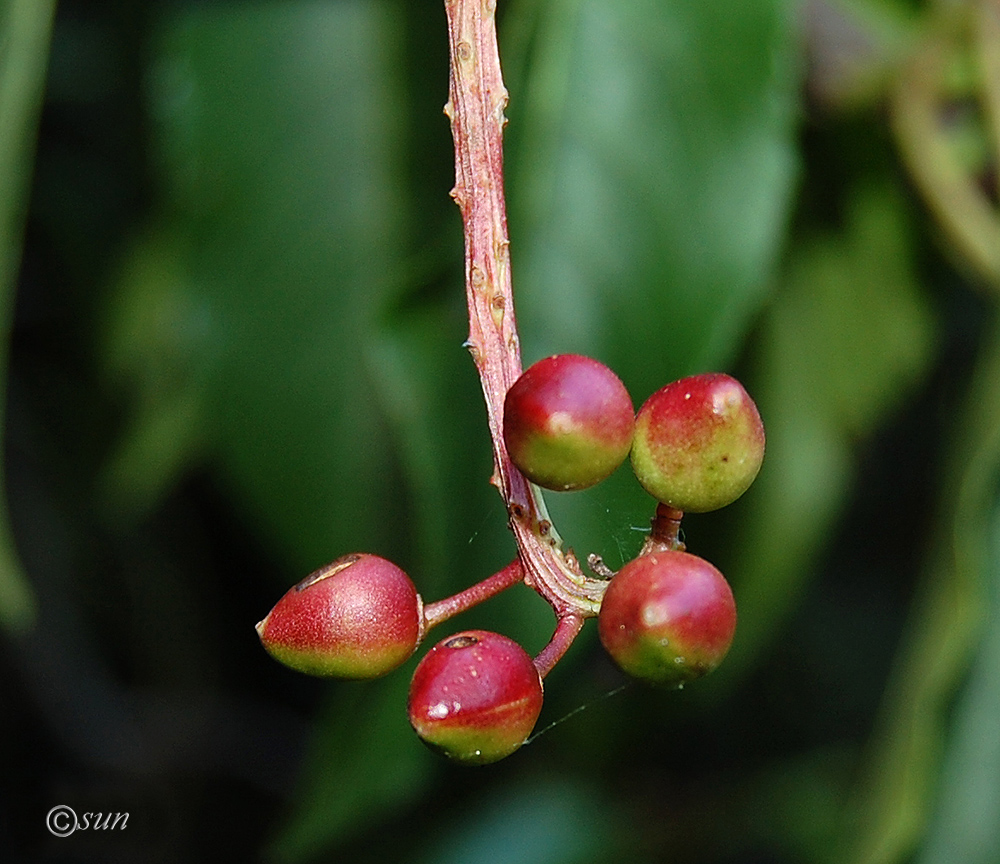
(567, 629)
(442, 610)
(476, 101)
(665, 533)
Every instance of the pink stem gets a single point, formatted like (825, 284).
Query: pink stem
(442, 610)
(566, 631)
(476, 101)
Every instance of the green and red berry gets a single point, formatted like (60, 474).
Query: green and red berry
(699, 443)
(475, 697)
(359, 617)
(568, 422)
(667, 617)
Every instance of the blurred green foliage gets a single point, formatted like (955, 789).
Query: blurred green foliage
(25, 30)
(237, 355)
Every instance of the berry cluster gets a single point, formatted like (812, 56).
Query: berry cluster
(666, 617)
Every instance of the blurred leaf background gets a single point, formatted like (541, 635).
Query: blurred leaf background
(233, 314)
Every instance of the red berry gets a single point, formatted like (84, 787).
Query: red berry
(359, 617)
(475, 697)
(568, 422)
(699, 443)
(667, 617)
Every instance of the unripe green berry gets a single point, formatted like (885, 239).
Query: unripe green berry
(359, 617)
(667, 617)
(699, 443)
(475, 697)
(568, 422)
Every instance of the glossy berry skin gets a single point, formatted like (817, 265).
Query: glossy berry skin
(667, 617)
(699, 443)
(359, 617)
(568, 422)
(475, 697)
